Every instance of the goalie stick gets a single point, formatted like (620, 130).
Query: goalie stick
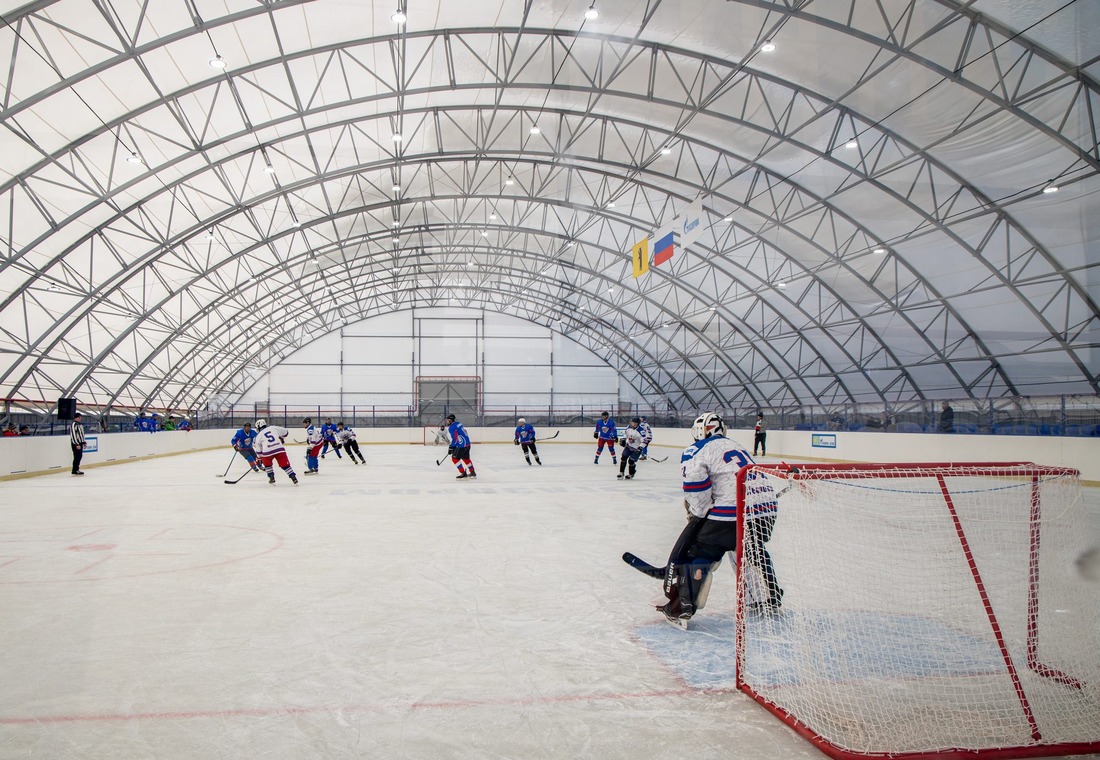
(659, 573)
(642, 566)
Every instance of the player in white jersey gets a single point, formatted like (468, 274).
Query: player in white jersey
(632, 444)
(647, 438)
(315, 439)
(346, 437)
(709, 469)
(269, 447)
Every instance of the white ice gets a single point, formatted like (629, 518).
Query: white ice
(149, 610)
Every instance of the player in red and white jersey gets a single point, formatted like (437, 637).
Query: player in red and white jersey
(269, 447)
(315, 439)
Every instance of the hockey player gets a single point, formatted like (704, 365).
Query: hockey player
(244, 443)
(460, 448)
(605, 434)
(314, 442)
(647, 437)
(345, 437)
(328, 433)
(632, 449)
(525, 437)
(709, 469)
(269, 445)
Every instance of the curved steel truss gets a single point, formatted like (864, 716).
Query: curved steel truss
(857, 246)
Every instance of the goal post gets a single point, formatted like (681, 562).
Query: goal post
(929, 610)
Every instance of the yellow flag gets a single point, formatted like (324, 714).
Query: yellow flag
(640, 254)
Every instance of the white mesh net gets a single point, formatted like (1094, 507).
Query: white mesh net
(927, 609)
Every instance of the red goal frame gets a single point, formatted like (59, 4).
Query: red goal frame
(940, 471)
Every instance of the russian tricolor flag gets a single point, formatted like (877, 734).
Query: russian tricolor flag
(664, 246)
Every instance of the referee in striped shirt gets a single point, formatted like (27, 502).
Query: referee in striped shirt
(76, 440)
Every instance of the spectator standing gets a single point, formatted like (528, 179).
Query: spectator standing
(760, 436)
(947, 418)
(77, 442)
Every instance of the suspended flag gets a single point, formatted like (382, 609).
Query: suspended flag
(664, 245)
(690, 223)
(639, 254)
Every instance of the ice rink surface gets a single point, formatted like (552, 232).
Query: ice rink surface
(149, 610)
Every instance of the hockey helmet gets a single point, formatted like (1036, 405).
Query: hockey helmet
(636, 420)
(307, 421)
(261, 424)
(706, 425)
(521, 421)
(450, 418)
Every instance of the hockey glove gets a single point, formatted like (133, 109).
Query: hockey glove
(451, 450)
(622, 442)
(596, 436)
(516, 442)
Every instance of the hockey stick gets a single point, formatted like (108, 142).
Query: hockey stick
(548, 438)
(444, 459)
(642, 566)
(656, 459)
(242, 477)
(231, 461)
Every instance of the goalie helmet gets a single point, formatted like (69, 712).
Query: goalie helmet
(521, 421)
(706, 425)
(261, 424)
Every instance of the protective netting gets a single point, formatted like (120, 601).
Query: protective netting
(927, 608)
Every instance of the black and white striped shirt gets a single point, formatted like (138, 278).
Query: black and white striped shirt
(76, 434)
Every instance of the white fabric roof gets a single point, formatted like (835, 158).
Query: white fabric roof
(172, 276)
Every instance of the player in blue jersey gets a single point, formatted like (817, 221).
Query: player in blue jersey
(244, 444)
(605, 434)
(328, 434)
(460, 448)
(525, 437)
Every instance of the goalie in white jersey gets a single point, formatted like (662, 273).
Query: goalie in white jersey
(709, 469)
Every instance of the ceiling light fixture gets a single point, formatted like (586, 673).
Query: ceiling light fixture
(592, 14)
(780, 284)
(399, 17)
(134, 158)
(1050, 189)
(269, 169)
(396, 223)
(509, 181)
(665, 151)
(397, 137)
(217, 62)
(851, 144)
(397, 240)
(880, 250)
(535, 129)
(767, 47)
(728, 219)
(396, 188)
(492, 216)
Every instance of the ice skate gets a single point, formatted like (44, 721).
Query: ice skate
(461, 476)
(619, 476)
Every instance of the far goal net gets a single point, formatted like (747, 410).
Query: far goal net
(928, 610)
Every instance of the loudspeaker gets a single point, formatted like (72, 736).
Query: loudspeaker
(66, 408)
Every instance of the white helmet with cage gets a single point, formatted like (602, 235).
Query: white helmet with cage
(261, 424)
(521, 421)
(706, 425)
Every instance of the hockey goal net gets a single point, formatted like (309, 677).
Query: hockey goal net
(928, 610)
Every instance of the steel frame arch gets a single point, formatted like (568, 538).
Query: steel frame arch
(991, 354)
(287, 189)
